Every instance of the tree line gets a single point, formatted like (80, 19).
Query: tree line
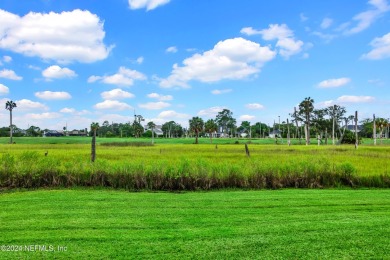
(306, 122)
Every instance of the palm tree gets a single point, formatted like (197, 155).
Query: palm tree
(210, 127)
(10, 105)
(94, 128)
(196, 125)
(306, 108)
(381, 124)
(152, 125)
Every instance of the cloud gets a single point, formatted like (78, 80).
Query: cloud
(64, 37)
(232, 59)
(44, 116)
(210, 112)
(34, 67)
(254, 106)
(68, 110)
(139, 60)
(381, 48)
(334, 83)
(9, 74)
(4, 90)
(325, 36)
(112, 105)
(56, 72)
(148, 4)
(347, 100)
(286, 42)
(7, 58)
(221, 91)
(364, 19)
(246, 118)
(116, 94)
(124, 77)
(49, 95)
(154, 105)
(172, 49)
(355, 99)
(160, 97)
(73, 111)
(172, 114)
(303, 17)
(326, 23)
(27, 105)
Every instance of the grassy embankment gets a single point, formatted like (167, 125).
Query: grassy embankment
(193, 167)
(108, 224)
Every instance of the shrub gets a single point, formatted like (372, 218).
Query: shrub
(350, 138)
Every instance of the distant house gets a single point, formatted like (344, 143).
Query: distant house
(51, 133)
(352, 128)
(274, 134)
(78, 132)
(157, 130)
(243, 133)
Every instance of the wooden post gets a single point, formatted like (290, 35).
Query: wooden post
(356, 130)
(296, 123)
(334, 107)
(326, 136)
(288, 133)
(247, 150)
(374, 132)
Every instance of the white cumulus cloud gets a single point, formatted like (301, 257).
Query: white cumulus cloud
(43, 116)
(56, 72)
(364, 19)
(356, 99)
(50, 95)
(246, 118)
(326, 23)
(27, 105)
(171, 114)
(172, 49)
(112, 105)
(64, 37)
(210, 112)
(229, 59)
(160, 97)
(9, 74)
(154, 105)
(116, 94)
(148, 4)
(124, 77)
(7, 58)
(140, 60)
(334, 83)
(254, 106)
(346, 100)
(221, 91)
(381, 48)
(68, 110)
(286, 41)
(3, 89)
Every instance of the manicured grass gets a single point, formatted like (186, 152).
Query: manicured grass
(108, 224)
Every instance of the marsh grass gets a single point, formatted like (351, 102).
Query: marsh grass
(122, 144)
(193, 167)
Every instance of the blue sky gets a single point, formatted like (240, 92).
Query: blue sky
(74, 62)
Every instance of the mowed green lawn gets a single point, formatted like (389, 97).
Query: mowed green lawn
(108, 224)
